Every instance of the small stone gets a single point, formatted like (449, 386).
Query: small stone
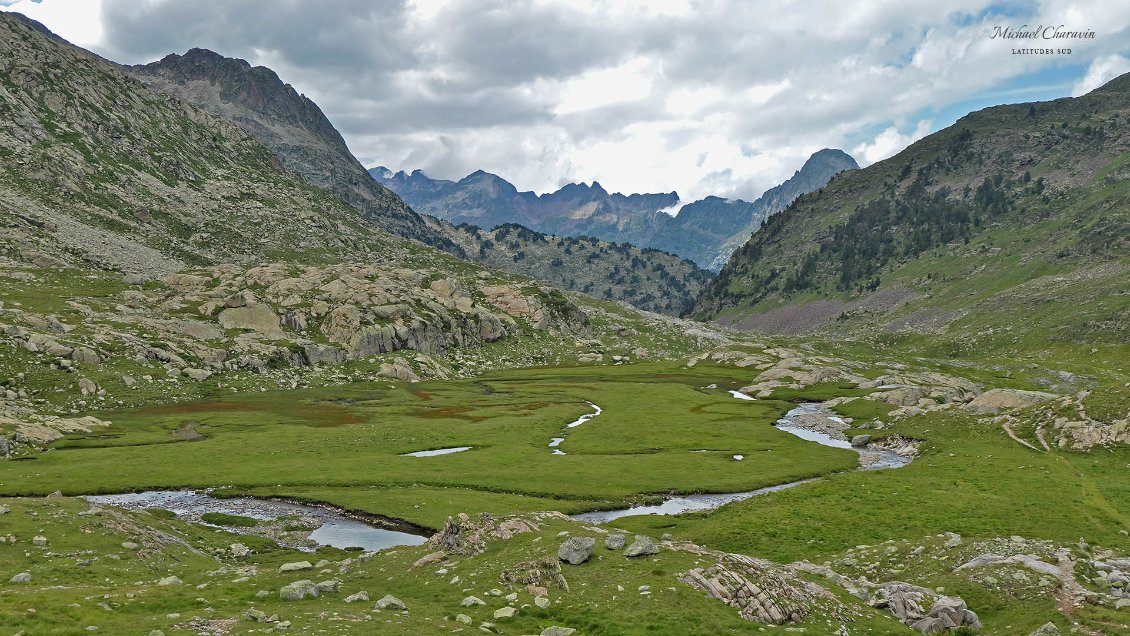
(463, 618)
(542, 602)
(169, 580)
(254, 615)
(511, 597)
(239, 550)
(39, 540)
(489, 628)
(357, 596)
(472, 600)
(283, 625)
(22, 577)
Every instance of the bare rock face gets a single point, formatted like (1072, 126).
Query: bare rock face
(759, 590)
(518, 305)
(259, 318)
(922, 609)
(993, 400)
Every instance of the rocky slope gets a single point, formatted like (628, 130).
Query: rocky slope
(96, 170)
(645, 278)
(705, 231)
(1016, 209)
(290, 124)
(304, 141)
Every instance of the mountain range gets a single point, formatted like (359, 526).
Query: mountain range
(304, 141)
(705, 231)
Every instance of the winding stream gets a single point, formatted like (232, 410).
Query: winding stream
(330, 527)
(554, 442)
(869, 459)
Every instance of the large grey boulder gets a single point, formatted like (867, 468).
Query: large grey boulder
(614, 542)
(576, 550)
(298, 590)
(641, 546)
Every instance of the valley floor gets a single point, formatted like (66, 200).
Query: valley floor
(982, 484)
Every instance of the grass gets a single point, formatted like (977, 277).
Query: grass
(234, 521)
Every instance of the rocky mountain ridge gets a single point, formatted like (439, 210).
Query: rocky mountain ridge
(305, 142)
(704, 231)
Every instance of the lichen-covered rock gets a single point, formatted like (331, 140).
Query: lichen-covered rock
(576, 550)
(641, 546)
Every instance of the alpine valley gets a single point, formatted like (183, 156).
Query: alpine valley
(249, 386)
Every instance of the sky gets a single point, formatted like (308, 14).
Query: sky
(710, 97)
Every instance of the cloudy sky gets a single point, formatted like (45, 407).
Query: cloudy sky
(701, 97)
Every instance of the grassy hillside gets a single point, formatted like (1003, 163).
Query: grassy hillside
(1014, 210)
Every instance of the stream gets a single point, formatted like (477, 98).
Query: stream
(554, 442)
(325, 526)
(799, 422)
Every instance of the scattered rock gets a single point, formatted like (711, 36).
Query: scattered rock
(463, 619)
(239, 550)
(614, 542)
(170, 580)
(504, 613)
(22, 577)
(576, 550)
(388, 601)
(860, 440)
(472, 600)
(542, 602)
(130, 545)
(1047, 629)
(39, 540)
(296, 566)
(641, 546)
(298, 590)
(558, 631)
(357, 596)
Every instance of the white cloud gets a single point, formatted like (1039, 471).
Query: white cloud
(78, 21)
(888, 143)
(724, 97)
(1101, 71)
(630, 81)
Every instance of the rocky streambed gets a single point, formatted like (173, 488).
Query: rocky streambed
(290, 524)
(814, 422)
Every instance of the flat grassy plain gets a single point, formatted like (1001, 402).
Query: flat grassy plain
(343, 446)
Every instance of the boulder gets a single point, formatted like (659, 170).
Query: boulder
(22, 577)
(327, 587)
(471, 601)
(388, 601)
(614, 542)
(298, 590)
(296, 566)
(357, 596)
(995, 399)
(860, 440)
(258, 318)
(169, 580)
(85, 355)
(1047, 629)
(239, 550)
(504, 613)
(576, 550)
(641, 546)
